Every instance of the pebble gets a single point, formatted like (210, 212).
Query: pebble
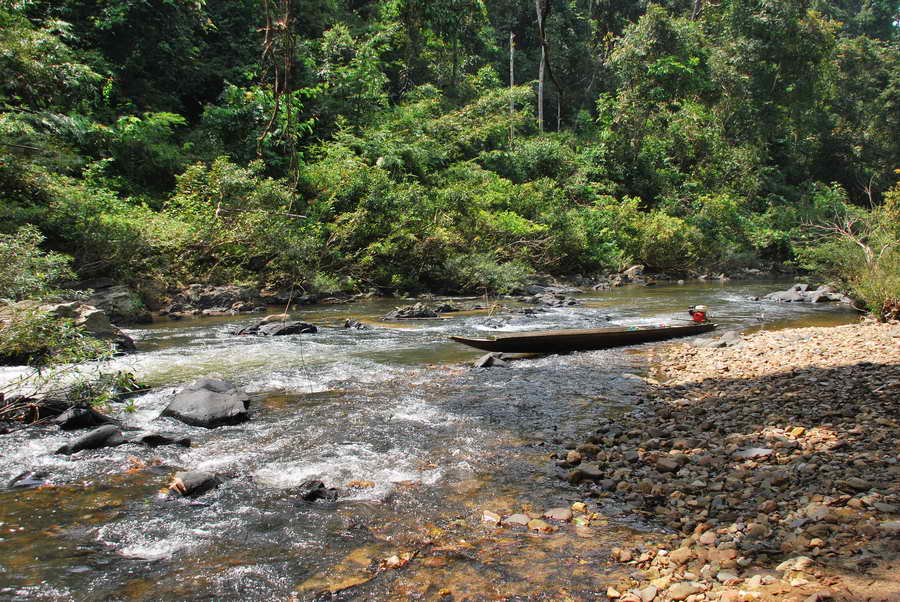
(490, 517)
(680, 591)
(519, 520)
(560, 514)
(537, 524)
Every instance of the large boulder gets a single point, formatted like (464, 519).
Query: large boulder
(411, 312)
(121, 304)
(202, 299)
(801, 293)
(94, 321)
(209, 403)
(275, 329)
(551, 300)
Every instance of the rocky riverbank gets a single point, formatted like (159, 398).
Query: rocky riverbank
(775, 463)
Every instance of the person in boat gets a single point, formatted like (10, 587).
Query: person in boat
(698, 313)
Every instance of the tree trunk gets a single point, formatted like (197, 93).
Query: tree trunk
(512, 83)
(540, 106)
(698, 6)
(543, 10)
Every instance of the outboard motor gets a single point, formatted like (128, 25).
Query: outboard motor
(698, 313)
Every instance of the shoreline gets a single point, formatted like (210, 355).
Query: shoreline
(776, 462)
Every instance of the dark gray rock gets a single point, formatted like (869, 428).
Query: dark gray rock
(551, 300)
(277, 329)
(159, 439)
(194, 483)
(313, 491)
(585, 472)
(121, 304)
(209, 403)
(105, 436)
(410, 312)
(355, 325)
(81, 418)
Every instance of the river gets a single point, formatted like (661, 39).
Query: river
(419, 443)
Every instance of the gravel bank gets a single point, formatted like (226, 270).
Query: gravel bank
(776, 462)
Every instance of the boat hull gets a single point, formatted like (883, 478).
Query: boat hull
(561, 341)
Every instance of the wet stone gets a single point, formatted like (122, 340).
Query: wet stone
(314, 491)
(104, 436)
(560, 514)
(539, 525)
(209, 403)
(518, 520)
(29, 480)
(194, 483)
(81, 418)
(491, 518)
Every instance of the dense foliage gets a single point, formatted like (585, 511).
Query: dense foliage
(379, 144)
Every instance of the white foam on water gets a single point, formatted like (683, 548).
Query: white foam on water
(153, 550)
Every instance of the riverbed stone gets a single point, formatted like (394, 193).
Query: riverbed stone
(585, 472)
(194, 483)
(492, 518)
(560, 514)
(680, 591)
(490, 360)
(159, 439)
(107, 435)
(314, 491)
(30, 479)
(82, 417)
(518, 520)
(210, 403)
(278, 329)
(537, 524)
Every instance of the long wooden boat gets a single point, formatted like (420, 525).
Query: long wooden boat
(560, 341)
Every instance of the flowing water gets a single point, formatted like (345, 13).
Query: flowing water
(419, 444)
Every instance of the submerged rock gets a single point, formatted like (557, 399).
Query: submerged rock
(106, 436)
(29, 480)
(210, 403)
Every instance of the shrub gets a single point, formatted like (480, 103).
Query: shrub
(25, 270)
(666, 243)
(31, 337)
(482, 273)
(860, 251)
